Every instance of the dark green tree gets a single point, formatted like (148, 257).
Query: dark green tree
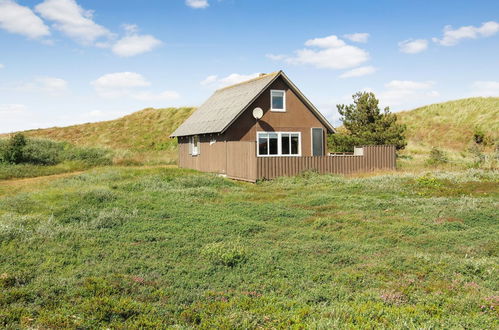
(13, 152)
(365, 123)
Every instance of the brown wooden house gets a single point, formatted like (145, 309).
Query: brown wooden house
(223, 136)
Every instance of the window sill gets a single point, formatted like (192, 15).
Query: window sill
(278, 110)
(278, 156)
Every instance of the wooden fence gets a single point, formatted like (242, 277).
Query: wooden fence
(238, 160)
(370, 158)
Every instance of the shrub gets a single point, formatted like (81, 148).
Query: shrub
(437, 157)
(227, 254)
(20, 150)
(90, 155)
(111, 218)
(478, 155)
(13, 149)
(43, 152)
(479, 136)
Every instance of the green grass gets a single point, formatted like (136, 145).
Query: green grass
(19, 171)
(163, 247)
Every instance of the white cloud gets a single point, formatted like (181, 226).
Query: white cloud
(413, 46)
(326, 42)
(118, 84)
(209, 80)
(14, 117)
(359, 72)
(129, 84)
(329, 53)
(485, 88)
(21, 20)
(407, 93)
(72, 20)
(452, 37)
(2, 66)
(408, 84)
(275, 57)
(134, 44)
(357, 37)
(231, 79)
(50, 85)
(197, 4)
(12, 109)
(150, 96)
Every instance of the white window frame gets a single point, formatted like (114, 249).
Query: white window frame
(283, 100)
(279, 144)
(194, 147)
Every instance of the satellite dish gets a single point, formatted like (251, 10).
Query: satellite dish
(257, 113)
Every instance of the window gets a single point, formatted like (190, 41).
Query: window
(279, 144)
(194, 145)
(277, 100)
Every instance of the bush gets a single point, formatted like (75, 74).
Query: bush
(90, 155)
(110, 218)
(21, 150)
(478, 155)
(437, 157)
(478, 136)
(227, 254)
(43, 152)
(13, 150)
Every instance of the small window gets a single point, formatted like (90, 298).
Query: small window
(194, 145)
(277, 100)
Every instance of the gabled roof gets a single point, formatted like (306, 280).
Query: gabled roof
(227, 104)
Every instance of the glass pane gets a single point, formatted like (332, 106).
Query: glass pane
(318, 138)
(277, 100)
(285, 144)
(262, 144)
(272, 144)
(295, 141)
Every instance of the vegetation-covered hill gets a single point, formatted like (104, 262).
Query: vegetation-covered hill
(451, 125)
(143, 136)
(148, 129)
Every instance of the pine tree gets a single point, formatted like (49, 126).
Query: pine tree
(366, 124)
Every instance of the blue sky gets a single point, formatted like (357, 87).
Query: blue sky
(65, 62)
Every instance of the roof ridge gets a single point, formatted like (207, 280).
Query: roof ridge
(261, 76)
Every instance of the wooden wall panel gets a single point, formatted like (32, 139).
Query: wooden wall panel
(241, 160)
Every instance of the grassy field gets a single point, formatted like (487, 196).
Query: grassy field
(161, 247)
